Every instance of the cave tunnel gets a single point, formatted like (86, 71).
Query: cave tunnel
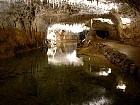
(102, 34)
(98, 72)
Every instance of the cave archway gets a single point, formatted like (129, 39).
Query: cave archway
(104, 34)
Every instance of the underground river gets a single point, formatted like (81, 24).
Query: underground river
(58, 75)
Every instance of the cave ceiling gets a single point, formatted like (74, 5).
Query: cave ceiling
(87, 9)
(134, 3)
(82, 11)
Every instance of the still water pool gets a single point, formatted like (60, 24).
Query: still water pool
(59, 76)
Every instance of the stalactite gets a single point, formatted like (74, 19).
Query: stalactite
(97, 2)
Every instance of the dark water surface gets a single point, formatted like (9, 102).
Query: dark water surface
(58, 76)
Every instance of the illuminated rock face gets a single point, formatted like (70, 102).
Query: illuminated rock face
(23, 25)
(17, 31)
(128, 26)
(97, 25)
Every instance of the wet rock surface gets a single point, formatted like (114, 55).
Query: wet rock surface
(121, 60)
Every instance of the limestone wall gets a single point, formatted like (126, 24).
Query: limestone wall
(125, 27)
(111, 28)
(129, 32)
(104, 26)
(67, 37)
(23, 26)
(17, 32)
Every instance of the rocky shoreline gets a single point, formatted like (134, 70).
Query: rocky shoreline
(128, 66)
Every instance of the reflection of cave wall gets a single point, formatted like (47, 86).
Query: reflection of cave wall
(102, 34)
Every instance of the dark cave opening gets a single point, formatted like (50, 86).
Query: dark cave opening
(102, 34)
(82, 35)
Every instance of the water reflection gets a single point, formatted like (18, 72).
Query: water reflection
(121, 85)
(64, 54)
(100, 71)
(51, 51)
(104, 71)
(101, 101)
(27, 80)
